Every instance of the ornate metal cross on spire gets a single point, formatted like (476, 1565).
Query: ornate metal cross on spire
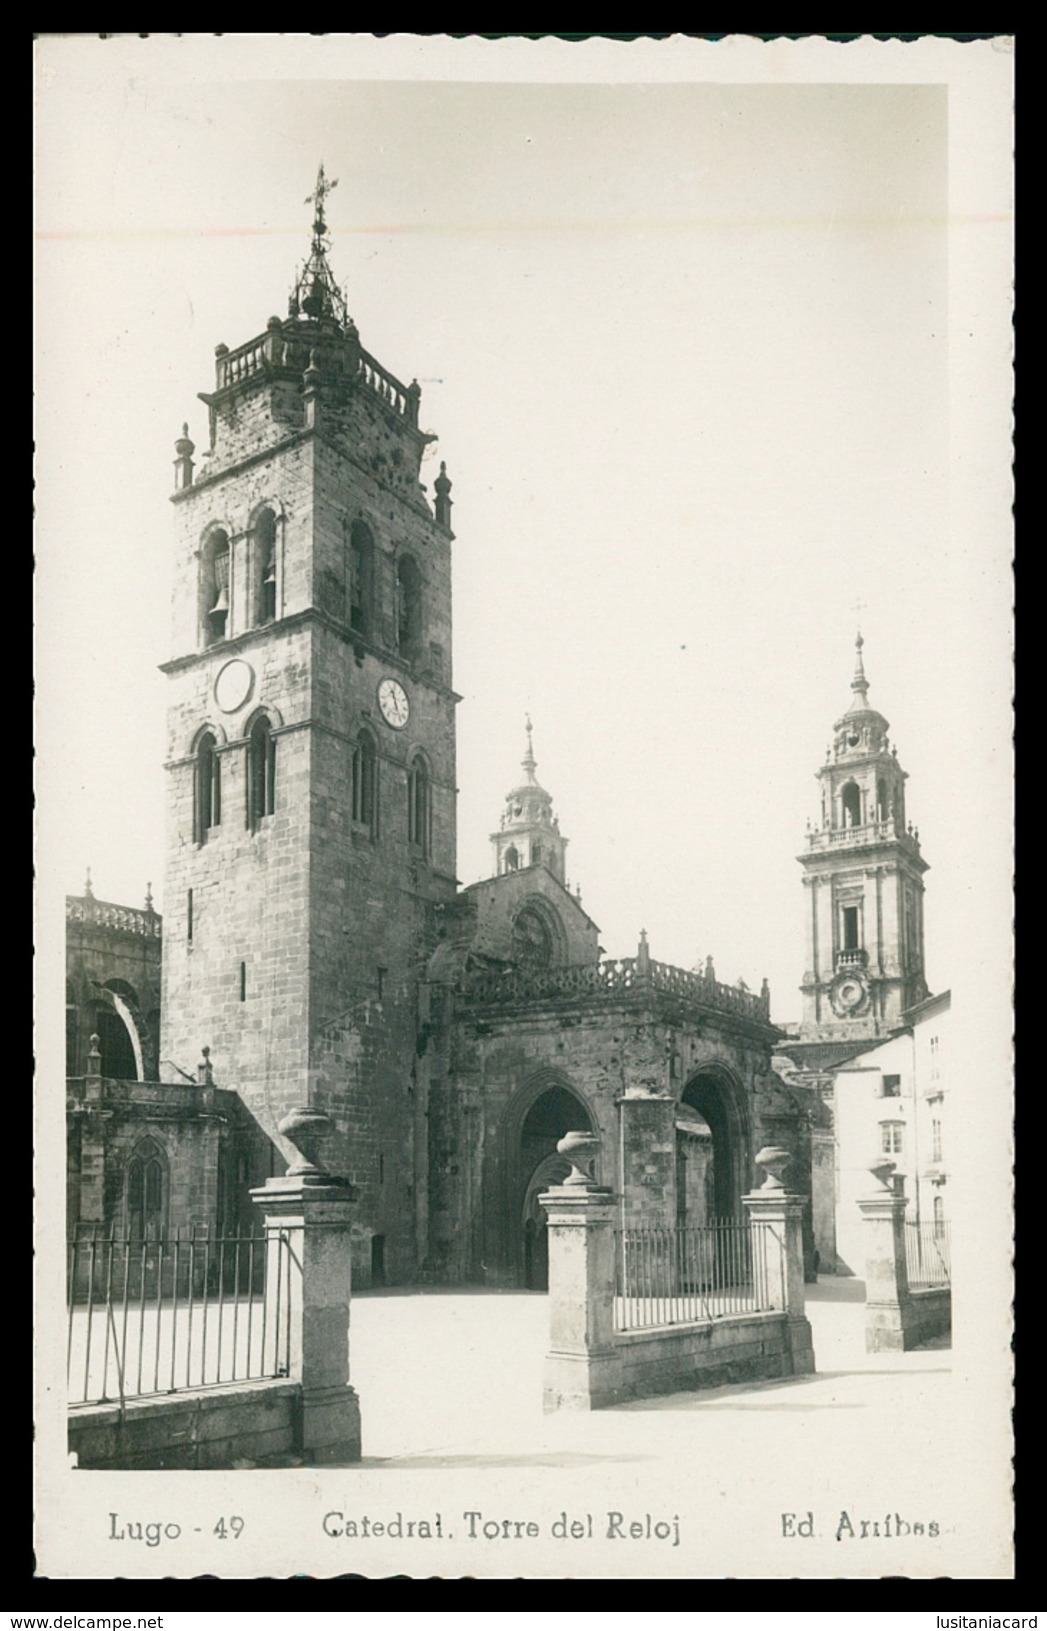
(318, 197)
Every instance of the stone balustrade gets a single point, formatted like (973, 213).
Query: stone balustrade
(854, 837)
(106, 915)
(613, 978)
(291, 352)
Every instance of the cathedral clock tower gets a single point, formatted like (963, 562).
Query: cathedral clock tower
(863, 880)
(311, 747)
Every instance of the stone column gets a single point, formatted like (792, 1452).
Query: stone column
(776, 1232)
(306, 1217)
(582, 1370)
(887, 1304)
(648, 1147)
(92, 1140)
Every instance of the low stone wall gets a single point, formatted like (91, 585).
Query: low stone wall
(929, 1315)
(212, 1428)
(741, 1348)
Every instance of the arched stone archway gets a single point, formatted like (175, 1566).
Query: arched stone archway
(713, 1092)
(542, 1112)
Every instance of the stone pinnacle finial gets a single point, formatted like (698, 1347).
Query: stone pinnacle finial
(149, 897)
(530, 764)
(89, 893)
(859, 684)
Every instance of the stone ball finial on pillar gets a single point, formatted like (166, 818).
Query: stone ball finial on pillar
(882, 1170)
(580, 1148)
(305, 1130)
(772, 1162)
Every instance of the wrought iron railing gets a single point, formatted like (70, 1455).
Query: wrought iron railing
(185, 1311)
(927, 1258)
(686, 1276)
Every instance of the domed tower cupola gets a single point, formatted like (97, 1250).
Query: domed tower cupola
(863, 872)
(529, 834)
(862, 730)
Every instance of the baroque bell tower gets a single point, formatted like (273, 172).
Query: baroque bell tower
(311, 747)
(863, 881)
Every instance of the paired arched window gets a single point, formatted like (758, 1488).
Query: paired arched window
(419, 804)
(145, 1190)
(208, 786)
(265, 567)
(408, 606)
(365, 781)
(214, 587)
(261, 771)
(361, 578)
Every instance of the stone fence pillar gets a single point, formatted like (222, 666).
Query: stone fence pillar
(306, 1218)
(887, 1301)
(582, 1366)
(776, 1230)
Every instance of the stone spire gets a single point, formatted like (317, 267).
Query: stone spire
(859, 684)
(529, 762)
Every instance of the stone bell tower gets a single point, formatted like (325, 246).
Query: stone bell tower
(529, 834)
(863, 881)
(311, 745)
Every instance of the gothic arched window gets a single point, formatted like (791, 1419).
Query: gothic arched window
(144, 1190)
(419, 808)
(408, 606)
(261, 771)
(265, 568)
(214, 588)
(365, 781)
(532, 940)
(361, 578)
(118, 1063)
(208, 786)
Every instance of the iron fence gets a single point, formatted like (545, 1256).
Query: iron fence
(174, 1312)
(688, 1275)
(927, 1254)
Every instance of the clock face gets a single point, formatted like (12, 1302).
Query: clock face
(392, 699)
(233, 685)
(849, 995)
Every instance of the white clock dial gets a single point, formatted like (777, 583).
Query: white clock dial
(392, 699)
(232, 686)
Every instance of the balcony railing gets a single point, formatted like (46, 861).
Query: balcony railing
(613, 978)
(291, 353)
(873, 832)
(106, 915)
(855, 958)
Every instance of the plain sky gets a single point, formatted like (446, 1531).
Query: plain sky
(686, 347)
